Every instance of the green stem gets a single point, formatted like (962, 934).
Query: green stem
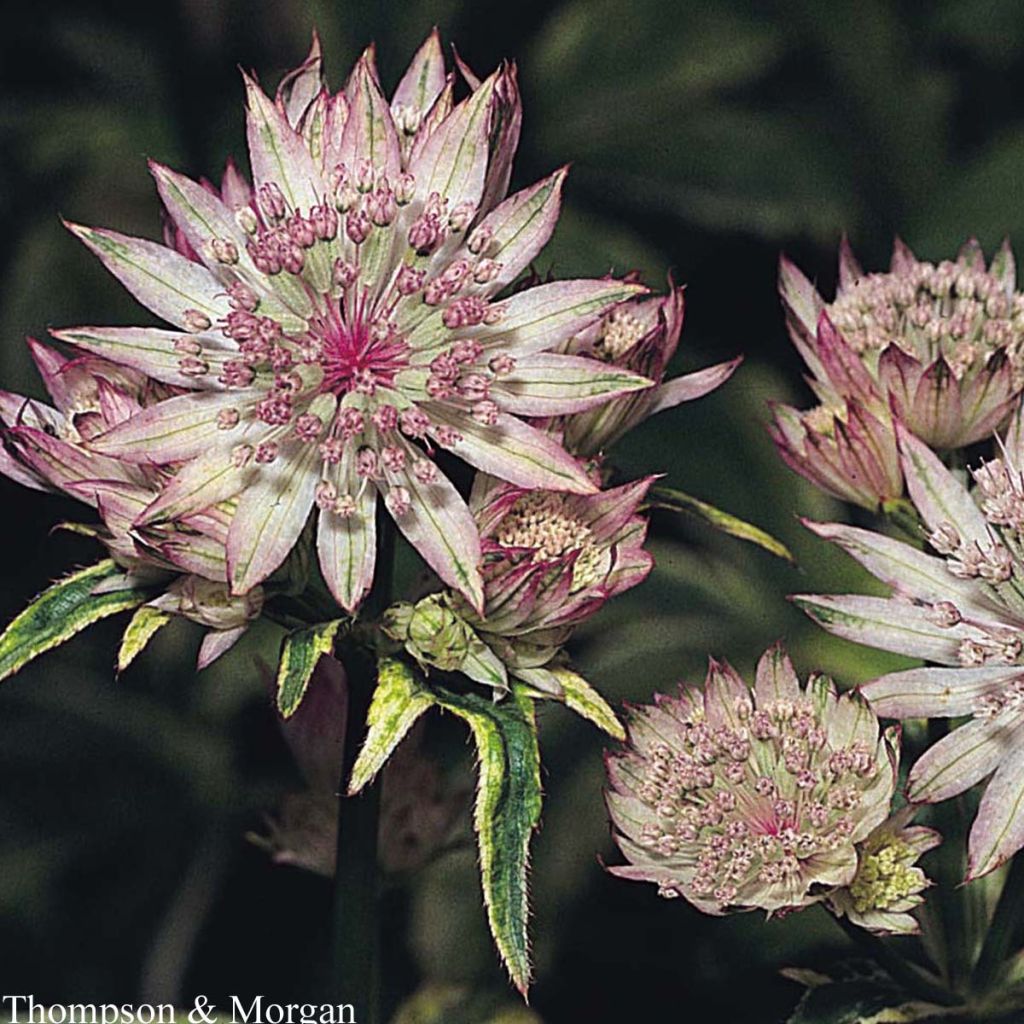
(901, 971)
(356, 930)
(950, 895)
(1003, 929)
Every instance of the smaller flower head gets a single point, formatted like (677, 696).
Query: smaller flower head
(737, 799)
(47, 448)
(551, 560)
(846, 452)
(888, 883)
(640, 336)
(940, 346)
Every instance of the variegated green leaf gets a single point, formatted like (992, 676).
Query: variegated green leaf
(299, 655)
(142, 628)
(586, 701)
(508, 807)
(671, 500)
(398, 701)
(60, 612)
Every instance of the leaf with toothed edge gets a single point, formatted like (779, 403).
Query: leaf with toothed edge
(508, 807)
(582, 698)
(143, 627)
(61, 611)
(398, 701)
(299, 654)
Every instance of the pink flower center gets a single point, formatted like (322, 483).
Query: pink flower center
(360, 356)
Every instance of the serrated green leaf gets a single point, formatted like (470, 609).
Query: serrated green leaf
(142, 628)
(586, 701)
(671, 500)
(398, 701)
(507, 811)
(60, 612)
(299, 654)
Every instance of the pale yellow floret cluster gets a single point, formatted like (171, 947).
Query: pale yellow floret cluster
(545, 522)
(621, 331)
(886, 875)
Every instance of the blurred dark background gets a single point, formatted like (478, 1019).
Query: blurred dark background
(705, 137)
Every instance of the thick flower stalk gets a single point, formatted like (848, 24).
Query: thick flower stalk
(419, 806)
(345, 322)
(640, 335)
(888, 884)
(936, 346)
(551, 560)
(739, 799)
(47, 448)
(961, 608)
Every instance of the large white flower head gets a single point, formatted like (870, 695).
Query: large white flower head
(341, 322)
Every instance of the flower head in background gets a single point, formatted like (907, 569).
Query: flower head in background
(337, 325)
(938, 347)
(962, 609)
(740, 799)
(47, 448)
(888, 884)
(640, 335)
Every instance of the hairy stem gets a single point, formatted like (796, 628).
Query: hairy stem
(1003, 929)
(356, 931)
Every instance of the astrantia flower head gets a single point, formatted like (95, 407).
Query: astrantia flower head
(888, 884)
(640, 335)
(345, 323)
(551, 560)
(962, 609)
(740, 799)
(939, 345)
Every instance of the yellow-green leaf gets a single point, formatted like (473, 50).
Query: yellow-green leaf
(398, 701)
(671, 500)
(299, 655)
(142, 628)
(508, 806)
(586, 701)
(60, 612)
